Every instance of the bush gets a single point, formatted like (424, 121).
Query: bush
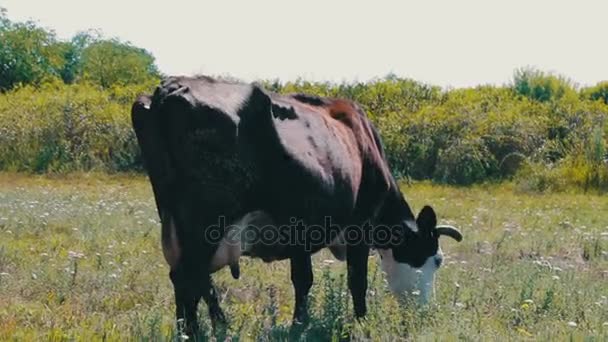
(540, 86)
(597, 93)
(58, 128)
(465, 162)
(585, 167)
(538, 177)
(460, 136)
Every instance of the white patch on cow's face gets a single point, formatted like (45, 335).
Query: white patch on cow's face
(405, 280)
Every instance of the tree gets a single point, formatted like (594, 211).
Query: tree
(109, 62)
(72, 52)
(28, 53)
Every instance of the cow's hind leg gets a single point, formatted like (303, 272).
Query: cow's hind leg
(356, 258)
(301, 276)
(189, 288)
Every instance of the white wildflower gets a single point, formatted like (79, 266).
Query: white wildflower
(75, 255)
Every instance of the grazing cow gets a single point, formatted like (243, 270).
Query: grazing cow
(291, 173)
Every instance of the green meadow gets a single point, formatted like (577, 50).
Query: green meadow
(80, 260)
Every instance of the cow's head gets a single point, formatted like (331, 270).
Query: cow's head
(410, 264)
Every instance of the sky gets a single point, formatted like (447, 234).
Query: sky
(450, 43)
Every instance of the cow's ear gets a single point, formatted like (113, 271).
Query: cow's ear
(427, 220)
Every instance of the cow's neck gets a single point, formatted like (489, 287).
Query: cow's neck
(395, 209)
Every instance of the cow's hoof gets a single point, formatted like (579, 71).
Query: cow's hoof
(360, 312)
(218, 318)
(361, 319)
(190, 332)
(220, 327)
(301, 318)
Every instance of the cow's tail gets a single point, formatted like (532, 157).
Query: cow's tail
(153, 149)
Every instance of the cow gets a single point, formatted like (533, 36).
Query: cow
(227, 156)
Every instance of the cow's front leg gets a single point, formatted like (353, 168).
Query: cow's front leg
(187, 297)
(209, 293)
(301, 277)
(356, 258)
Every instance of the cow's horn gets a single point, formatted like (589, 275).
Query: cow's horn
(450, 231)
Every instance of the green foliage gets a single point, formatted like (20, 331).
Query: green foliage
(540, 86)
(461, 136)
(598, 92)
(464, 162)
(30, 55)
(112, 62)
(72, 53)
(58, 128)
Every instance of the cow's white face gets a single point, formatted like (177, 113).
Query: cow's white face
(411, 262)
(411, 282)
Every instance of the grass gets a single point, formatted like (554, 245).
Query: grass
(80, 260)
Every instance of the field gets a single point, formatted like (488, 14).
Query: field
(80, 260)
